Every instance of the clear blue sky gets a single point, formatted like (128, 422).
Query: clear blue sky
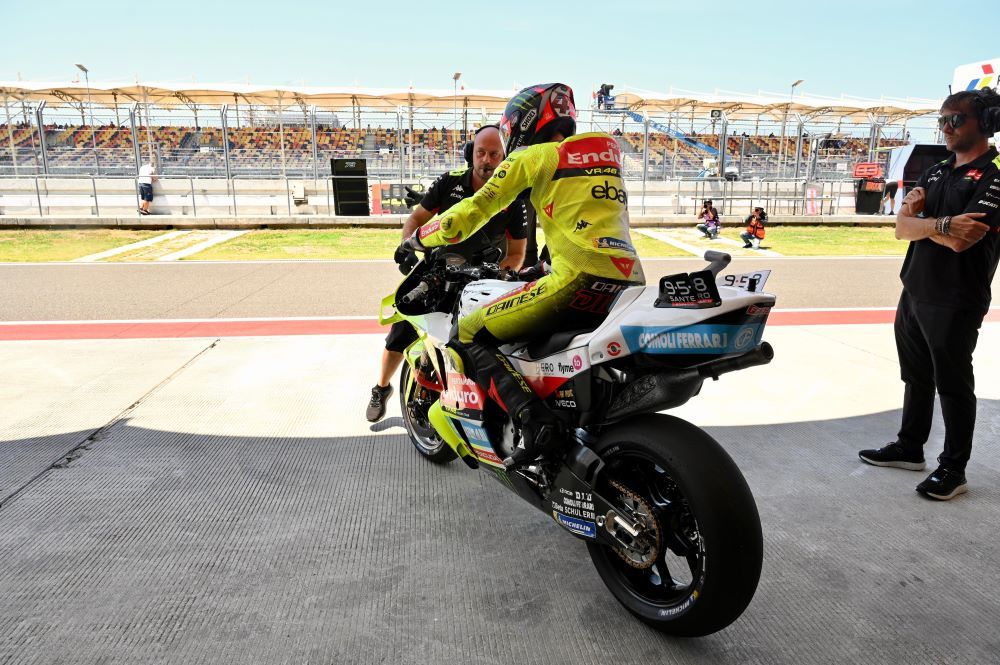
(858, 47)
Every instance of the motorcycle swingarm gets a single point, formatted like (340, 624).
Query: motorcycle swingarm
(576, 506)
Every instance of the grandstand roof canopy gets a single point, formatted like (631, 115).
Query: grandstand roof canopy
(185, 94)
(736, 105)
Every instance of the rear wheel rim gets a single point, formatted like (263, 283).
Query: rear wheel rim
(678, 567)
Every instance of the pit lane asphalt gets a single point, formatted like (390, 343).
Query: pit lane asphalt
(221, 500)
(182, 290)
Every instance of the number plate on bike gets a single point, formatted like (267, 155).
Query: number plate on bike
(694, 290)
(748, 281)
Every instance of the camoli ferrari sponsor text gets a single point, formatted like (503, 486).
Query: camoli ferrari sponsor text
(684, 340)
(692, 339)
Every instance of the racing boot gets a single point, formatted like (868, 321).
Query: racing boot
(540, 433)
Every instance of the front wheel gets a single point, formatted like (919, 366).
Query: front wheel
(695, 564)
(414, 401)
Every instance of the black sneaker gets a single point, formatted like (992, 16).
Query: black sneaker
(944, 484)
(376, 407)
(894, 455)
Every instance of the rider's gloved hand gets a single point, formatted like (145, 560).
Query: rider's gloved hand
(531, 273)
(412, 198)
(405, 258)
(406, 254)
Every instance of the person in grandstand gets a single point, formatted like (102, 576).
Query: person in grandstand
(582, 206)
(952, 220)
(147, 176)
(710, 225)
(447, 190)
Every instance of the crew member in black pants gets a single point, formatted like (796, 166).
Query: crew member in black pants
(952, 220)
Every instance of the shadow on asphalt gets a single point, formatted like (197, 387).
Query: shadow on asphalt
(148, 545)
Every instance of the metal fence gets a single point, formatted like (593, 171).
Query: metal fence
(54, 196)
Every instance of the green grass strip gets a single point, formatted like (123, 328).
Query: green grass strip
(40, 245)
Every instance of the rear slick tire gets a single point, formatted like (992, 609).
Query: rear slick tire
(708, 560)
(420, 431)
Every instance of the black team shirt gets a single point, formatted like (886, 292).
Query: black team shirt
(454, 186)
(935, 274)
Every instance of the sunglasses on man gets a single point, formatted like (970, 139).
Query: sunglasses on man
(956, 120)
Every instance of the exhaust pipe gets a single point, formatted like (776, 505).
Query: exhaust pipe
(656, 392)
(762, 355)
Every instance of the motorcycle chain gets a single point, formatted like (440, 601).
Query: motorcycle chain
(650, 530)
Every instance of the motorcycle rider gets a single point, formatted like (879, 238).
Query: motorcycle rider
(483, 155)
(582, 206)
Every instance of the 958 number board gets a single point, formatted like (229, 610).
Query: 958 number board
(696, 290)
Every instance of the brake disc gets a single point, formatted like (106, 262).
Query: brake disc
(643, 550)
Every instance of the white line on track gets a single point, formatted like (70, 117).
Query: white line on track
(127, 248)
(671, 239)
(217, 238)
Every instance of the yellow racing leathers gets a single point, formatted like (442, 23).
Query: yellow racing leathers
(577, 189)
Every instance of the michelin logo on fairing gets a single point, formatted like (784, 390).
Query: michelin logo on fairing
(705, 338)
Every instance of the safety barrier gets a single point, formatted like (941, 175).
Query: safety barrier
(117, 196)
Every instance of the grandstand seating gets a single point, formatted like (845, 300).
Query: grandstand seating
(200, 149)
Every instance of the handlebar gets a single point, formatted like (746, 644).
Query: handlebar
(416, 294)
(457, 275)
(473, 271)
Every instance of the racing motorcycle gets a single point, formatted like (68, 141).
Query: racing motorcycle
(669, 521)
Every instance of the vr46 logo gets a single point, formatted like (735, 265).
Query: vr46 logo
(609, 191)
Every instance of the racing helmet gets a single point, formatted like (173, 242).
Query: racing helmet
(536, 114)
